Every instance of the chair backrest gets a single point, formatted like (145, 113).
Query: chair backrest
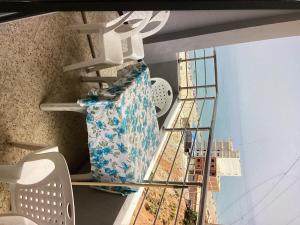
(162, 95)
(118, 25)
(157, 22)
(17, 173)
(48, 200)
(15, 220)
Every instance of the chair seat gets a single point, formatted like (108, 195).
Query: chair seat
(49, 200)
(41, 189)
(162, 95)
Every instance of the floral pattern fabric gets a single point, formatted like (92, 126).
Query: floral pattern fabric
(123, 133)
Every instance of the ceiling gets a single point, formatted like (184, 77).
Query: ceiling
(186, 20)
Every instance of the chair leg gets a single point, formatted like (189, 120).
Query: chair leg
(108, 80)
(90, 65)
(47, 150)
(81, 177)
(78, 66)
(72, 107)
(100, 67)
(10, 173)
(90, 79)
(85, 28)
(27, 146)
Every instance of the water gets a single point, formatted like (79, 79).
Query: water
(203, 72)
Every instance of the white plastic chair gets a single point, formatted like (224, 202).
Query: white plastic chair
(111, 35)
(15, 220)
(41, 189)
(135, 42)
(162, 95)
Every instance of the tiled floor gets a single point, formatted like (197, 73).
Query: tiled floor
(32, 54)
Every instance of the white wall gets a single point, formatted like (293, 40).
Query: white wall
(187, 20)
(164, 51)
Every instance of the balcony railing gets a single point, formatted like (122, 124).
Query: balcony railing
(195, 113)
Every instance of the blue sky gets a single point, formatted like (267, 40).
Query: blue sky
(259, 108)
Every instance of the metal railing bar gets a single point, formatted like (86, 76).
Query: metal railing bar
(172, 166)
(159, 206)
(133, 184)
(216, 71)
(198, 58)
(157, 164)
(201, 214)
(186, 76)
(190, 153)
(188, 164)
(187, 129)
(196, 73)
(183, 185)
(167, 142)
(184, 131)
(201, 98)
(152, 176)
(198, 86)
(157, 213)
(189, 184)
(205, 75)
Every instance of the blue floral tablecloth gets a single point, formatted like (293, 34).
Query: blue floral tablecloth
(123, 133)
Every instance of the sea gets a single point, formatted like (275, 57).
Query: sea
(202, 73)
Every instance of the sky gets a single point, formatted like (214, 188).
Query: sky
(259, 108)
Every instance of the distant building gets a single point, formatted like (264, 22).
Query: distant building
(196, 173)
(211, 216)
(219, 148)
(224, 160)
(214, 184)
(194, 192)
(194, 197)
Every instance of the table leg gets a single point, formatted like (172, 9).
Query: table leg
(90, 65)
(73, 107)
(108, 80)
(91, 79)
(38, 148)
(82, 177)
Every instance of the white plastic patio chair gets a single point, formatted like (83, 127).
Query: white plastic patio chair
(111, 35)
(162, 95)
(135, 49)
(41, 189)
(15, 220)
